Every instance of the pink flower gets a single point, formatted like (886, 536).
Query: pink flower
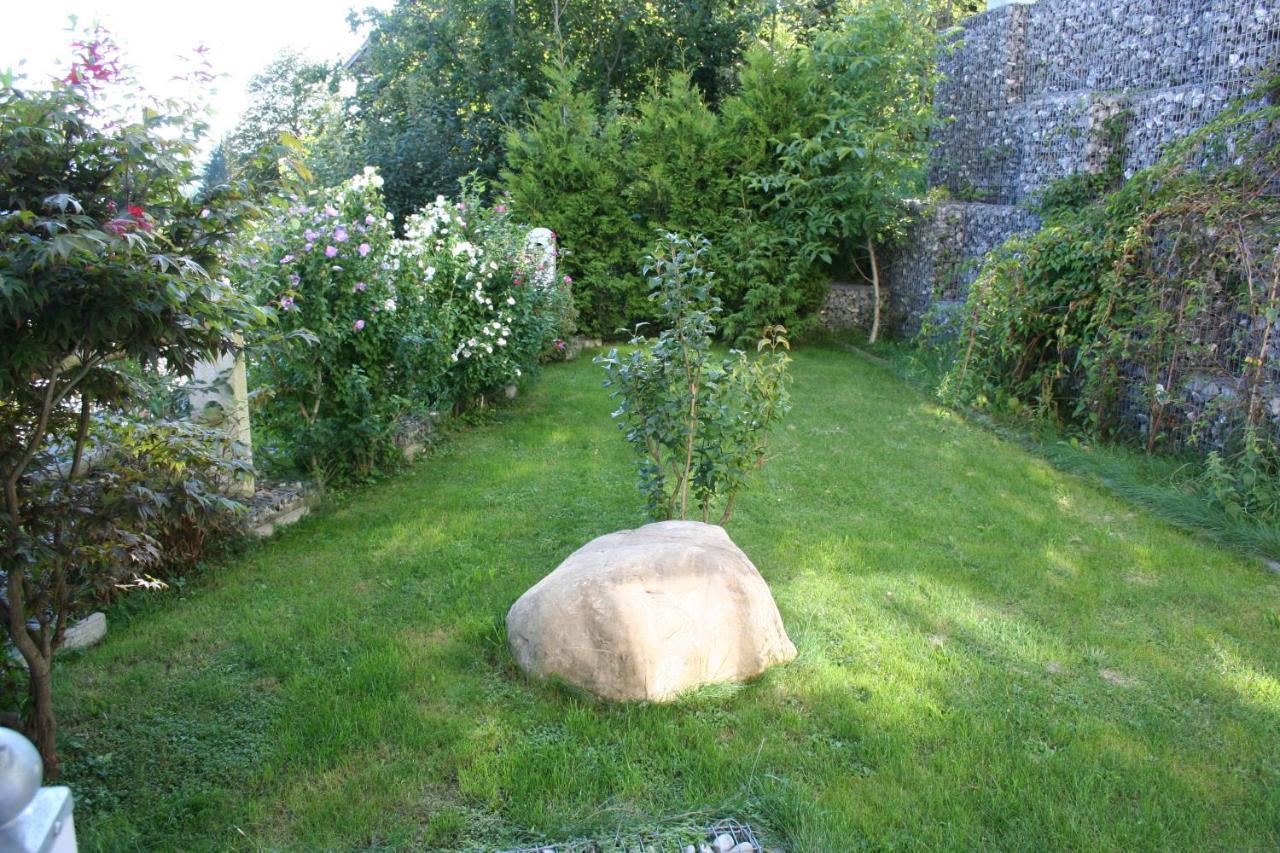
(287, 259)
(369, 219)
(310, 235)
(364, 249)
(501, 208)
(340, 234)
(559, 344)
(286, 303)
(204, 214)
(295, 279)
(330, 251)
(360, 286)
(330, 210)
(568, 279)
(358, 325)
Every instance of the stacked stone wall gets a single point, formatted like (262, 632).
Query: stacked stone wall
(1026, 93)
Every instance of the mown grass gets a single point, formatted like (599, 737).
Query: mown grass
(993, 655)
(1164, 484)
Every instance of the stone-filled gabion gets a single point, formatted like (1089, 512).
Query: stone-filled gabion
(1027, 90)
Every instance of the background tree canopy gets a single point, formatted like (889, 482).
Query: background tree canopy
(613, 121)
(441, 81)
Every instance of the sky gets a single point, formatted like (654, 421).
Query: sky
(243, 36)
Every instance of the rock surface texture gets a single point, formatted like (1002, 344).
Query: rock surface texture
(647, 614)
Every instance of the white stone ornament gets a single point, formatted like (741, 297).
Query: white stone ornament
(540, 245)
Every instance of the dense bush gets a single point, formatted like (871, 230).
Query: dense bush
(700, 424)
(610, 181)
(356, 350)
(801, 170)
(564, 173)
(375, 330)
(495, 305)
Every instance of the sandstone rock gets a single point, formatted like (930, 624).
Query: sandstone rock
(649, 613)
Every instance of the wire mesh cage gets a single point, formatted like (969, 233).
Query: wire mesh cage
(726, 835)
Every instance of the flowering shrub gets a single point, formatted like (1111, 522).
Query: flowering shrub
(491, 299)
(355, 352)
(374, 329)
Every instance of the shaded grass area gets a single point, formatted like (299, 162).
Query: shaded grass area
(993, 654)
(1164, 484)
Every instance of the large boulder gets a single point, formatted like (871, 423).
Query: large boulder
(649, 613)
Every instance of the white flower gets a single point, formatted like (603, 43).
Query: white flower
(502, 342)
(488, 348)
(472, 342)
(430, 273)
(511, 300)
(389, 305)
(517, 371)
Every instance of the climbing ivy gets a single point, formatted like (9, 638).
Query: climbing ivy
(1146, 310)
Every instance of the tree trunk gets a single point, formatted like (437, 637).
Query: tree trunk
(43, 727)
(875, 292)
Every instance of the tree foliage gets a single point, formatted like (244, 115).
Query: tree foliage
(700, 424)
(841, 186)
(104, 263)
(289, 103)
(441, 82)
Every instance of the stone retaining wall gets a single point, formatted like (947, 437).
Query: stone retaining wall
(851, 306)
(1027, 90)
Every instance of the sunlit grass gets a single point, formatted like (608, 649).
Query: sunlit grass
(992, 655)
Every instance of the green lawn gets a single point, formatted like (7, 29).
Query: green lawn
(993, 655)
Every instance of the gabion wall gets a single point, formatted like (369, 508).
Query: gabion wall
(1027, 90)
(850, 306)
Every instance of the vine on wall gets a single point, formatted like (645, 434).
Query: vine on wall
(1147, 311)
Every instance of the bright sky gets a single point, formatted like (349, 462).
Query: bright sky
(242, 37)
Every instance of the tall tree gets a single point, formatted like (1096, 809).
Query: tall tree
(289, 101)
(442, 80)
